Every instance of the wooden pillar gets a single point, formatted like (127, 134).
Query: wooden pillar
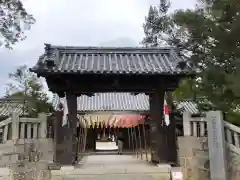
(135, 140)
(93, 138)
(158, 128)
(132, 140)
(129, 139)
(145, 142)
(71, 138)
(89, 141)
(58, 137)
(140, 140)
(85, 138)
(172, 142)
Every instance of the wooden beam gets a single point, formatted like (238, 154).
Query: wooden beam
(172, 142)
(101, 88)
(91, 84)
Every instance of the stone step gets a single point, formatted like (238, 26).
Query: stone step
(113, 176)
(121, 169)
(200, 153)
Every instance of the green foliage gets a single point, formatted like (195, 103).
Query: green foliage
(161, 29)
(157, 26)
(233, 117)
(185, 90)
(27, 86)
(209, 37)
(14, 20)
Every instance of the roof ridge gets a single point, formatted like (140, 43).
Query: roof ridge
(107, 47)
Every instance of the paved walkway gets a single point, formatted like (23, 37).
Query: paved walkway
(113, 167)
(102, 166)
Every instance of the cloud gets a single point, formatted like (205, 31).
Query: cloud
(79, 22)
(124, 41)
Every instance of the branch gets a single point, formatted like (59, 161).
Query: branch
(14, 20)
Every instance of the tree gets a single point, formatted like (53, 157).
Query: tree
(27, 86)
(14, 20)
(161, 30)
(208, 36)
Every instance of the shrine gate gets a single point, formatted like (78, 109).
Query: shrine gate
(75, 71)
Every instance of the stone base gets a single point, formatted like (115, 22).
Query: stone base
(12, 151)
(105, 170)
(35, 171)
(67, 168)
(176, 173)
(166, 166)
(4, 173)
(54, 166)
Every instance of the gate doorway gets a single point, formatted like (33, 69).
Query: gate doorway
(104, 129)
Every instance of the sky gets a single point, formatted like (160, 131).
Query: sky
(80, 23)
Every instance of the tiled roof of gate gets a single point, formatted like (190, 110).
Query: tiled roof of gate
(109, 60)
(109, 102)
(120, 102)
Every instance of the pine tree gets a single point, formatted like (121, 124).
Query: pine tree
(27, 87)
(208, 36)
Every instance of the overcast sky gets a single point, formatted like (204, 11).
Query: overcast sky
(82, 23)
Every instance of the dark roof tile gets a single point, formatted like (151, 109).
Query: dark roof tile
(188, 106)
(8, 106)
(84, 60)
(119, 102)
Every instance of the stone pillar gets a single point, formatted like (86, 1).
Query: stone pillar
(186, 124)
(217, 146)
(71, 138)
(158, 127)
(29, 129)
(43, 125)
(35, 130)
(202, 128)
(22, 131)
(45, 144)
(229, 136)
(5, 133)
(195, 130)
(236, 139)
(15, 126)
